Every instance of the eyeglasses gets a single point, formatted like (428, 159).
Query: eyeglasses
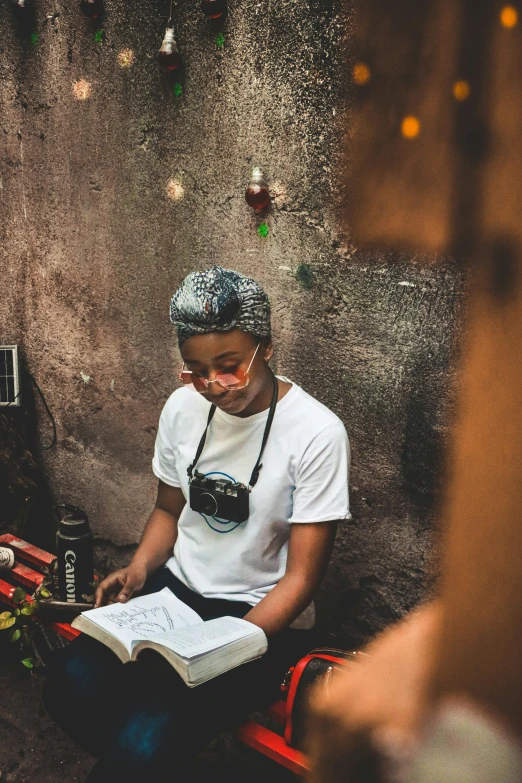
(236, 379)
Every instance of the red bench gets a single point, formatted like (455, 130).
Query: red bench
(255, 735)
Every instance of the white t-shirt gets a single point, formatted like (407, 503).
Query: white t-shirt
(304, 478)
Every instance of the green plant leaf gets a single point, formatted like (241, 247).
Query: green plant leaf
(28, 662)
(88, 598)
(44, 592)
(29, 609)
(5, 615)
(16, 612)
(14, 635)
(7, 623)
(18, 595)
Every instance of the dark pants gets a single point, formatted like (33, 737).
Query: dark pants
(140, 719)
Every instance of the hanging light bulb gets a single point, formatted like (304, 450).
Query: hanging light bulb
(168, 55)
(91, 8)
(257, 195)
(213, 9)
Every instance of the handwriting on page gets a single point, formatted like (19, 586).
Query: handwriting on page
(144, 621)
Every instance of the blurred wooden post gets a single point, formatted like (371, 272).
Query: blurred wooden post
(452, 182)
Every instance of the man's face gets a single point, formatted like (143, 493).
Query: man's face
(208, 354)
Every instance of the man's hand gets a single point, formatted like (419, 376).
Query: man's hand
(121, 585)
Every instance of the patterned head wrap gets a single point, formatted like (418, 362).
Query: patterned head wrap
(218, 300)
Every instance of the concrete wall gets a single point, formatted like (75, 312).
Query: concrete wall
(95, 237)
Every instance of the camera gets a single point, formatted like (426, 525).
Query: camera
(221, 498)
(225, 499)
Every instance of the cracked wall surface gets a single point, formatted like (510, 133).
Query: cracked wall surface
(117, 179)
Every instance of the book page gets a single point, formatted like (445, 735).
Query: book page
(144, 617)
(210, 635)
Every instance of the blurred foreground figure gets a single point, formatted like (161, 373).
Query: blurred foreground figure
(438, 168)
(382, 722)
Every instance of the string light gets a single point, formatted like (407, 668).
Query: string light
(257, 195)
(82, 90)
(461, 90)
(213, 9)
(168, 55)
(410, 127)
(175, 190)
(92, 8)
(361, 74)
(125, 58)
(509, 16)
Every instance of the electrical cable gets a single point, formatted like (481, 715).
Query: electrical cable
(53, 442)
(40, 392)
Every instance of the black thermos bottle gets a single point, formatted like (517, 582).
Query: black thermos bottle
(74, 548)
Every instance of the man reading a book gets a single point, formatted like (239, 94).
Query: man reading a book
(252, 480)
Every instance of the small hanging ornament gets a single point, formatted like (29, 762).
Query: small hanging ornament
(257, 195)
(91, 8)
(168, 55)
(20, 3)
(213, 9)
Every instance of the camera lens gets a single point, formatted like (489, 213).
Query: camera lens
(208, 504)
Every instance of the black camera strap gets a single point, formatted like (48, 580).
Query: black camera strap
(201, 446)
(255, 473)
(275, 393)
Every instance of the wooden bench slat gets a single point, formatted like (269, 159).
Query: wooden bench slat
(65, 629)
(27, 551)
(28, 577)
(273, 746)
(6, 592)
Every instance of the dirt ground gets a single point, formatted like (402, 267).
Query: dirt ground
(33, 749)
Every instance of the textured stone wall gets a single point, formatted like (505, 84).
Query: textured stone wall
(108, 202)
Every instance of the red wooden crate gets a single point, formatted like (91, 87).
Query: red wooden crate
(27, 577)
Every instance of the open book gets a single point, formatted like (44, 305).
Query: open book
(197, 650)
